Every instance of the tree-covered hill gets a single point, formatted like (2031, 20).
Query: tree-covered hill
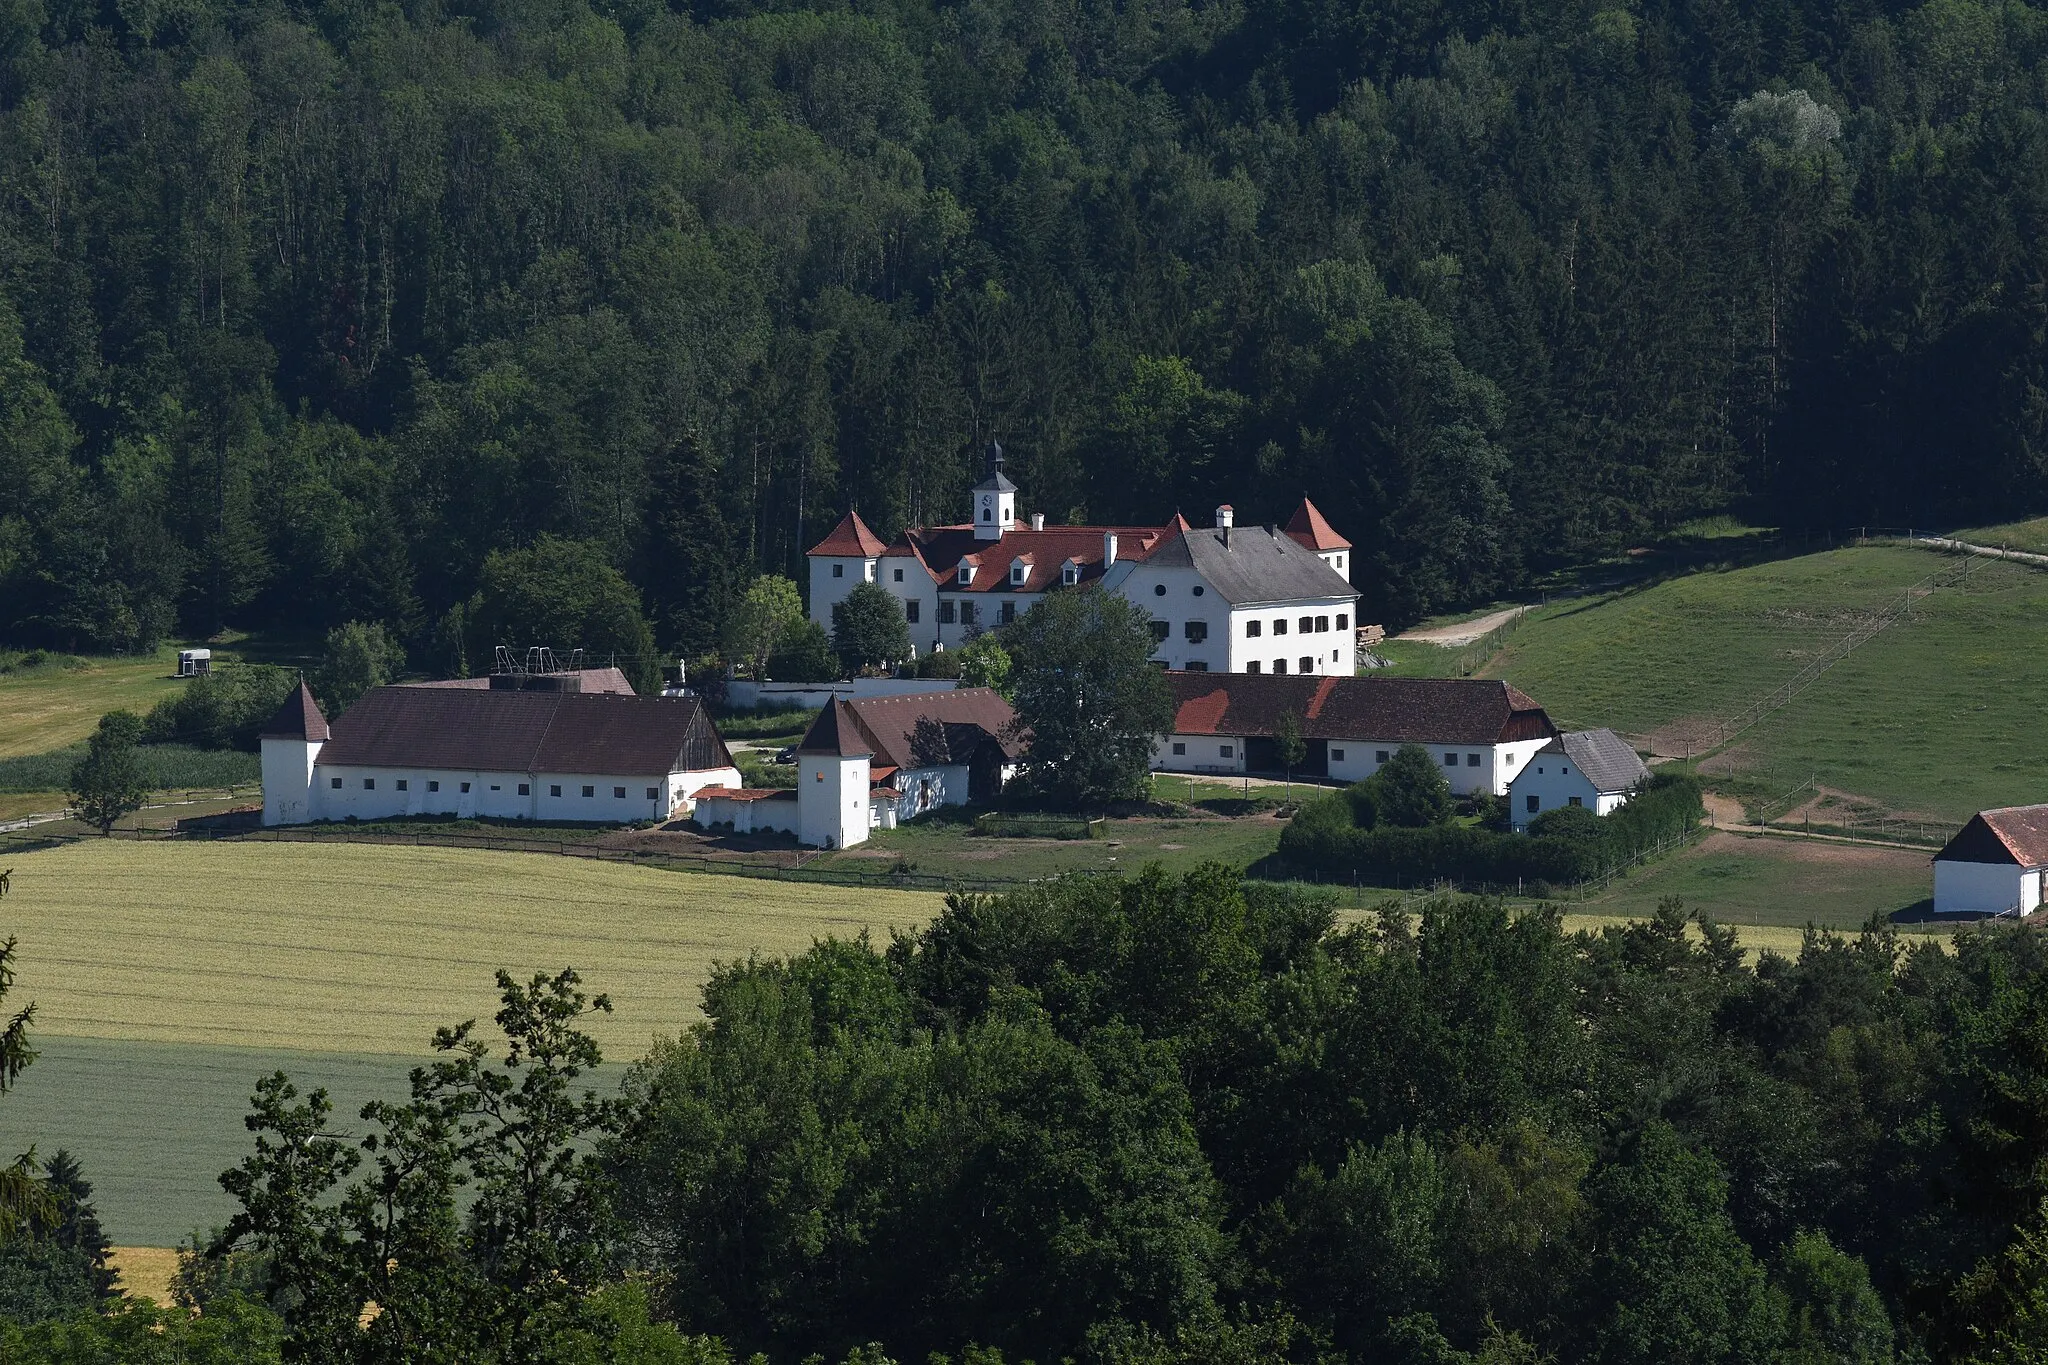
(307, 308)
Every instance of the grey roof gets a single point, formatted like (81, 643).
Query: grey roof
(1608, 761)
(1250, 564)
(485, 730)
(997, 480)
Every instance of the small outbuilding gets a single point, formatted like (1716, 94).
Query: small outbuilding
(1994, 864)
(1597, 769)
(194, 663)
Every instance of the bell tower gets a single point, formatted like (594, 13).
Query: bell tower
(995, 500)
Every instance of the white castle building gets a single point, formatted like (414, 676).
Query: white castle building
(1225, 598)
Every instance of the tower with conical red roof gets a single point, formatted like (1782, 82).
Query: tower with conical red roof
(291, 742)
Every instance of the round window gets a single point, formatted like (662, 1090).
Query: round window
(1159, 590)
(1198, 589)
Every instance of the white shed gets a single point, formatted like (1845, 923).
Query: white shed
(1596, 769)
(1995, 863)
(194, 662)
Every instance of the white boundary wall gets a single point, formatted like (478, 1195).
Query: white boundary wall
(743, 695)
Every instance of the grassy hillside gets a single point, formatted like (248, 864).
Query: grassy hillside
(48, 706)
(366, 949)
(1935, 718)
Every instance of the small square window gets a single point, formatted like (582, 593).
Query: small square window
(334, 782)
(1379, 756)
(1336, 755)
(1305, 624)
(1577, 802)
(433, 786)
(946, 613)
(1471, 760)
(1197, 665)
(525, 789)
(839, 571)
(1509, 760)
(401, 784)
(1253, 667)
(1450, 760)
(1343, 621)
(1305, 665)
(1279, 665)
(1226, 751)
(1195, 631)
(1535, 804)
(369, 784)
(1279, 627)
(1322, 623)
(590, 791)
(618, 793)
(1159, 630)
(897, 575)
(554, 789)
(465, 787)
(1252, 629)
(654, 793)
(1179, 749)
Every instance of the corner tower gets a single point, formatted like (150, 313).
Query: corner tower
(995, 500)
(291, 745)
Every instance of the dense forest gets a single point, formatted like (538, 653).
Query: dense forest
(1155, 1120)
(309, 307)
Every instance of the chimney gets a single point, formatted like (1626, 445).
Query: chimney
(1224, 517)
(1108, 548)
(1038, 521)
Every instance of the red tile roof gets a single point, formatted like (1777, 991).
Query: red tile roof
(298, 718)
(942, 548)
(1308, 526)
(851, 538)
(745, 794)
(1397, 710)
(2011, 834)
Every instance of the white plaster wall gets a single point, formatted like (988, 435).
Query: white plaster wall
(1331, 649)
(288, 780)
(828, 592)
(1984, 888)
(905, 580)
(926, 789)
(832, 799)
(497, 795)
(1187, 597)
(748, 817)
(1553, 783)
(1200, 754)
(1499, 764)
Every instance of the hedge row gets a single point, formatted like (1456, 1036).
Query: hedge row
(1563, 851)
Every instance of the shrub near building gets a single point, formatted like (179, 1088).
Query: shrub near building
(1394, 829)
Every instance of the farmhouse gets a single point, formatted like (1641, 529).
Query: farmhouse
(1223, 599)
(1994, 864)
(502, 751)
(1481, 731)
(1597, 769)
(871, 763)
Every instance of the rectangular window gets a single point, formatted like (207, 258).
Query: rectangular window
(1279, 627)
(1179, 749)
(1471, 760)
(1336, 755)
(1159, 631)
(1322, 623)
(1450, 760)
(1306, 624)
(910, 610)
(554, 789)
(1510, 760)
(1535, 804)
(898, 575)
(654, 793)
(334, 782)
(525, 789)
(1252, 667)
(1195, 631)
(1252, 629)
(618, 793)
(1198, 666)
(495, 787)
(1380, 756)
(433, 786)
(1279, 665)
(1226, 751)
(839, 571)
(1008, 613)
(970, 614)
(1577, 802)
(1305, 665)
(867, 571)
(1343, 621)
(590, 791)
(369, 784)
(946, 613)
(401, 785)
(465, 787)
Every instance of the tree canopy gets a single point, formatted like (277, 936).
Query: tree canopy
(1084, 685)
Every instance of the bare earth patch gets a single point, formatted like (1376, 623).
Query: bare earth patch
(1462, 633)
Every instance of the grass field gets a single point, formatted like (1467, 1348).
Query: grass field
(2031, 536)
(52, 706)
(365, 949)
(1934, 717)
(1761, 881)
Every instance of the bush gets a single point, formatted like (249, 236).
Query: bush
(222, 710)
(164, 767)
(1409, 790)
(940, 663)
(804, 655)
(1563, 846)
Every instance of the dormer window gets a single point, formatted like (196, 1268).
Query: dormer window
(1070, 573)
(1019, 571)
(966, 573)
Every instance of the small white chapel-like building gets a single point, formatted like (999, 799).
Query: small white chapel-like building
(1996, 864)
(1223, 598)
